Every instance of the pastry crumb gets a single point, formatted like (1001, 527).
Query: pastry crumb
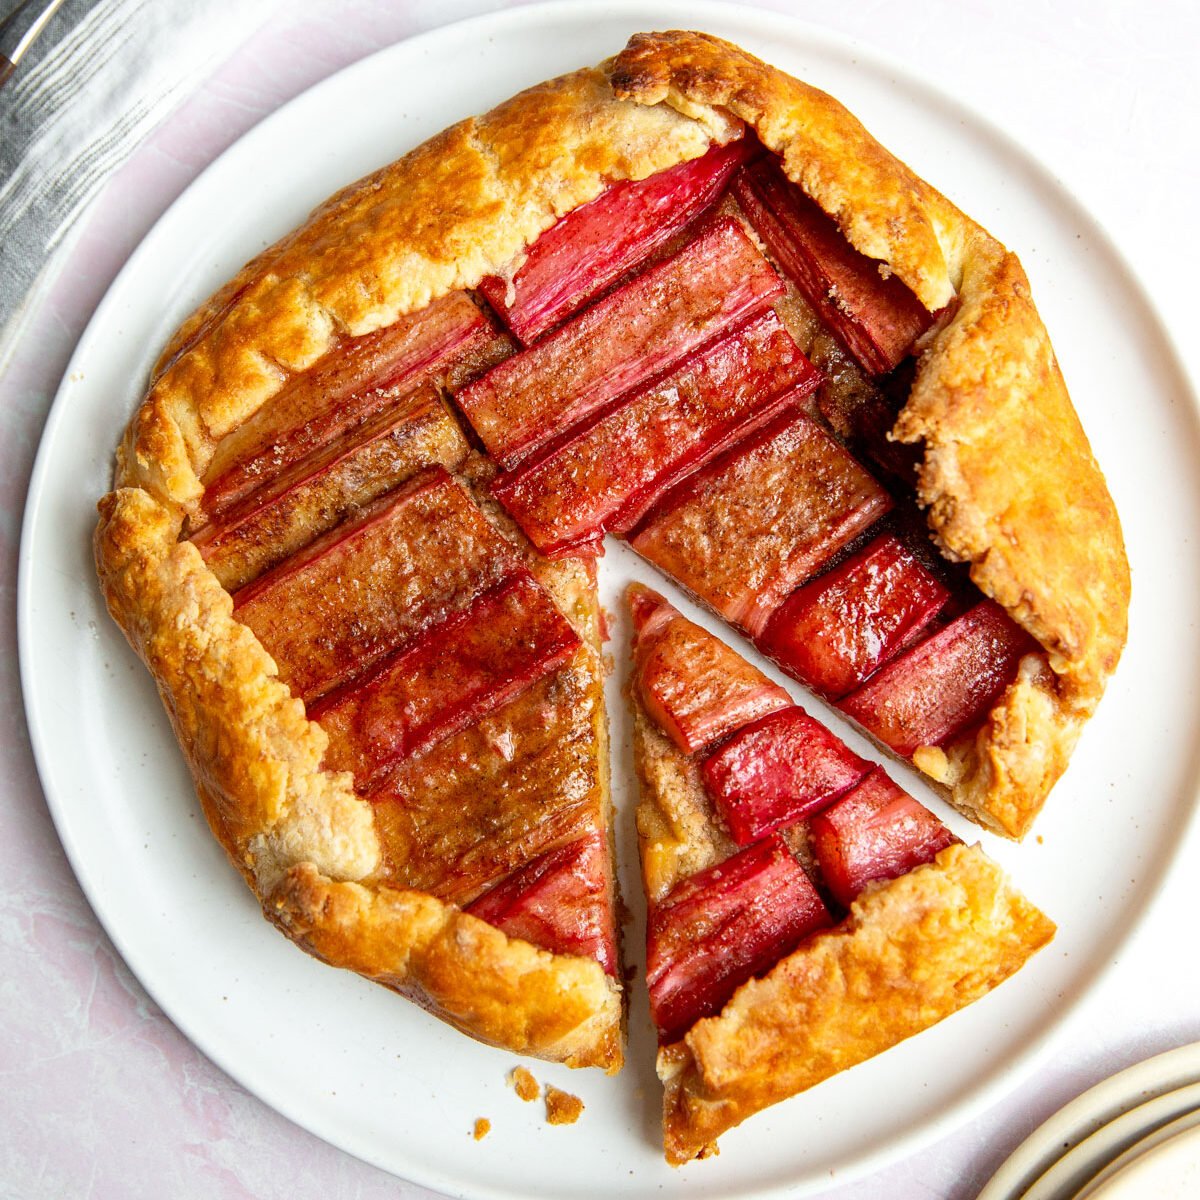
(524, 1083)
(561, 1107)
(482, 1128)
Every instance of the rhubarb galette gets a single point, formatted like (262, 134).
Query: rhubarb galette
(679, 297)
(805, 913)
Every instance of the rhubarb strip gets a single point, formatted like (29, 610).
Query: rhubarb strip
(460, 670)
(353, 383)
(943, 685)
(561, 901)
(695, 687)
(835, 631)
(610, 474)
(777, 771)
(269, 525)
(747, 529)
(877, 831)
(461, 816)
(643, 328)
(723, 926)
(594, 245)
(872, 312)
(365, 588)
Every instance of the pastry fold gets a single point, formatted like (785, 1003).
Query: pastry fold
(1002, 447)
(1008, 479)
(912, 951)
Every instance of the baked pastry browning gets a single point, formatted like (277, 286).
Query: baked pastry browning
(1002, 447)
(912, 952)
(300, 534)
(755, 839)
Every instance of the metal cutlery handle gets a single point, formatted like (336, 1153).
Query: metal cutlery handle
(20, 29)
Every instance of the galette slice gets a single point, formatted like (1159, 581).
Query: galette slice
(804, 912)
(450, 747)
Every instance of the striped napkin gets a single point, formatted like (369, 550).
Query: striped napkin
(101, 76)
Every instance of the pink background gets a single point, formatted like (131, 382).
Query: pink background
(102, 1097)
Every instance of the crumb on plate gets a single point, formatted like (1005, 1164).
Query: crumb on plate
(482, 1128)
(561, 1107)
(524, 1084)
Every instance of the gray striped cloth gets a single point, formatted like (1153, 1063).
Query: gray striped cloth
(101, 76)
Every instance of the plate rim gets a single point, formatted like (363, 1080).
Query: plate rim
(1112, 1097)
(573, 12)
(1184, 1128)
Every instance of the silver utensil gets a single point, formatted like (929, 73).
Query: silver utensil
(19, 30)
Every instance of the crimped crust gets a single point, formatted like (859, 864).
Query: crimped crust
(912, 952)
(1002, 442)
(306, 843)
(462, 206)
(1003, 445)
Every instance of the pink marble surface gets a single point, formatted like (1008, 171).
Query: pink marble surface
(102, 1096)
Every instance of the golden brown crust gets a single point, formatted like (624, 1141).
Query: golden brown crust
(465, 204)
(912, 952)
(1003, 447)
(307, 844)
(253, 753)
(498, 989)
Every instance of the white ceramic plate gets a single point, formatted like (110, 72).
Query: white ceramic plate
(1067, 1151)
(1082, 1164)
(1163, 1166)
(350, 1061)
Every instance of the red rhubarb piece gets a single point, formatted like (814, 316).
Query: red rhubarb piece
(644, 327)
(778, 770)
(609, 474)
(351, 384)
(877, 831)
(458, 671)
(747, 529)
(314, 494)
(560, 902)
(693, 686)
(476, 807)
(836, 630)
(594, 245)
(876, 316)
(944, 684)
(373, 584)
(723, 926)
